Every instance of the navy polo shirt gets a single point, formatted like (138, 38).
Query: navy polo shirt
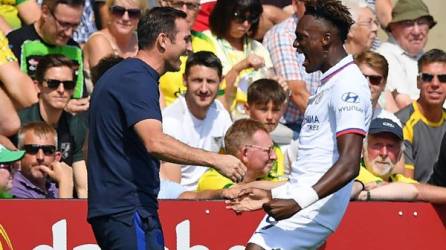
(122, 176)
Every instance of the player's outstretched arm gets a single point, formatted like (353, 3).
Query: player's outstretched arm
(169, 149)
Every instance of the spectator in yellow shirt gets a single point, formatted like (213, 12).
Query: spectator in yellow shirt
(376, 181)
(171, 83)
(249, 141)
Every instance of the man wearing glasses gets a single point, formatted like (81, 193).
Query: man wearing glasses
(41, 174)
(8, 167)
(52, 34)
(55, 79)
(408, 33)
(249, 141)
(424, 121)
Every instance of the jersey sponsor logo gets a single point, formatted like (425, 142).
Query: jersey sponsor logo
(350, 97)
(311, 122)
(350, 108)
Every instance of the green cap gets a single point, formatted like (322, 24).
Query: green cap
(7, 156)
(410, 10)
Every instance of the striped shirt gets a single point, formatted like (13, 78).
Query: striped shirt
(288, 62)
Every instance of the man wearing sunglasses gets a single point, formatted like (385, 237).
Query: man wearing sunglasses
(52, 34)
(424, 120)
(55, 81)
(41, 174)
(8, 167)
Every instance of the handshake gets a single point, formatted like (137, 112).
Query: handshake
(243, 199)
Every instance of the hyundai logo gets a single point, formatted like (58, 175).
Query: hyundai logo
(350, 97)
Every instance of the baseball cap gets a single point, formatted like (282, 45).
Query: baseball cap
(384, 125)
(7, 156)
(410, 10)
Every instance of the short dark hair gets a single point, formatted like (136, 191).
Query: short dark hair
(52, 4)
(223, 13)
(204, 58)
(103, 65)
(432, 56)
(51, 61)
(261, 91)
(156, 21)
(332, 11)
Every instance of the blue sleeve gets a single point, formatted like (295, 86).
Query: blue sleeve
(139, 98)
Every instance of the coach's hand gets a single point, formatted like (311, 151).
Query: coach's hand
(281, 209)
(230, 167)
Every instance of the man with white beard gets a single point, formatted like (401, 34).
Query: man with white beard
(377, 181)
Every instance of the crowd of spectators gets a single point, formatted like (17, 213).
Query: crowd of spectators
(243, 90)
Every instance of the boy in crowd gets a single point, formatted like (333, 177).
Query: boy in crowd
(266, 103)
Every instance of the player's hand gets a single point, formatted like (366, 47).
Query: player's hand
(249, 199)
(281, 209)
(75, 106)
(231, 167)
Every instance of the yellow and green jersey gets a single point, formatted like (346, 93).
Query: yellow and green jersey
(365, 176)
(213, 180)
(422, 140)
(171, 83)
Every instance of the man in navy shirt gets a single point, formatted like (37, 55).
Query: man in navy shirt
(126, 138)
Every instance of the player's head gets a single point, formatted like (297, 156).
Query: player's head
(322, 29)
